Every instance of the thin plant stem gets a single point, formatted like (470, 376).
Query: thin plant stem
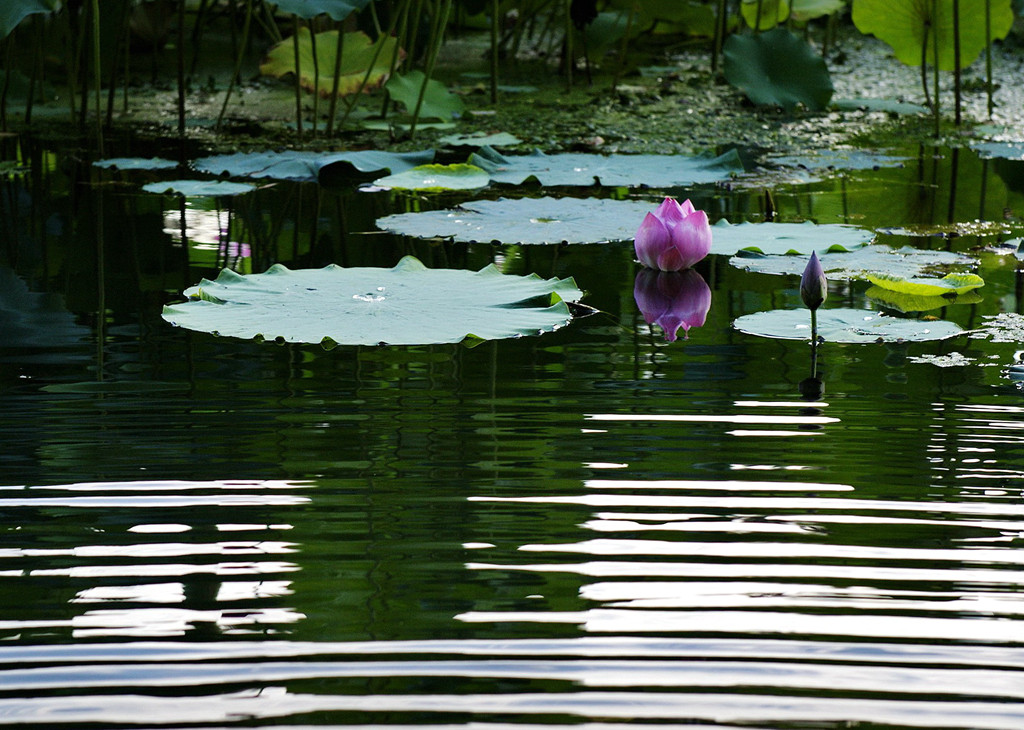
(96, 72)
(570, 52)
(332, 110)
(935, 66)
(436, 41)
(181, 68)
(316, 77)
(720, 24)
(956, 63)
(494, 51)
(924, 71)
(298, 75)
(988, 56)
(630, 19)
(235, 74)
(814, 327)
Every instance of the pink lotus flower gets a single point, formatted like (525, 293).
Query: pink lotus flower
(672, 299)
(813, 284)
(673, 237)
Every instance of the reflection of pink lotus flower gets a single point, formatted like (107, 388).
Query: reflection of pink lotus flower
(672, 299)
(673, 237)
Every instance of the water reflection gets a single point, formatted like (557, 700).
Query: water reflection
(673, 300)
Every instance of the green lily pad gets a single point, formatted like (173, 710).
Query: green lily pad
(580, 169)
(438, 102)
(335, 9)
(359, 55)
(135, 163)
(199, 188)
(909, 25)
(776, 68)
(304, 166)
(479, 139)
(785, 238)
(526, 220)
(949, 284)
(903, 262)
(853, 326)
(972, 228)
(773, 12)
(804, 10)
(437, 177)
(1001, 150)
(915, 303)
(406, 305)
(839, 160)
(12, 12)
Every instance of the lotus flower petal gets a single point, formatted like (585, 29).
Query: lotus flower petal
(675, 236)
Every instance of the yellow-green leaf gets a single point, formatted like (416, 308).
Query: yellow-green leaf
(949, 284)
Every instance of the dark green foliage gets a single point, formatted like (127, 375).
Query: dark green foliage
(777, 68)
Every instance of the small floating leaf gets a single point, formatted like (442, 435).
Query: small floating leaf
(913, 303)
(949, 284)
(135, 163)
(783, 238)
(437, 177)
(853, 326)
(199, 188)
(526, 220)
(479, 139)
(406, 305)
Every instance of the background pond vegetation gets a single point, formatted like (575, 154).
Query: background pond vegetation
(620, 497)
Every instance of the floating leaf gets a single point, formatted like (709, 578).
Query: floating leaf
(1002, 150)
(303, 166)
(358, 53)
(406, 305)
(777, 68)
(914, 303)
(949, 284)
(839, 160)
(973, 228)
(893, 106)
(574, 168)
(335, 9)
(852, 326)
(784, 238)
(1002, 327)
(526, 220)
(905, 262)
(135, 163)
(438, 102)
(910, 26)
(437, 177)
(199, 188)
(479, 139)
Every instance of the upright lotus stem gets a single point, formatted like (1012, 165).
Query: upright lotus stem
(814, 291)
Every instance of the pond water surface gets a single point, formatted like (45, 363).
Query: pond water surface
(593, 526)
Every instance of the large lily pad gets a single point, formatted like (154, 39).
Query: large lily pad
(903, 262)
(304, 166)
(916, 303)
(526, 220)
(776, 68)
(910, 26)
(406, 305)
(785, 238)
(852, 326)
(363, 65)
(577, 168)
